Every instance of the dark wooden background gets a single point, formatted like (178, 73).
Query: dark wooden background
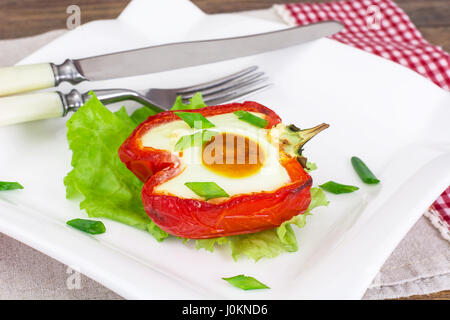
(22, 18)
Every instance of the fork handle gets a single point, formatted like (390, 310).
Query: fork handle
(46, 105)
(29, 107)
(39, 106)
(24, 78)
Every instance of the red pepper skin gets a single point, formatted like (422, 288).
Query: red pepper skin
(198, 219)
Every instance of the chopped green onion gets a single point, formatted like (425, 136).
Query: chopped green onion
(5, 185)
(89, 226)
(187, 141)
(245, 283)
(208, 135)
(207, 190)
(195, 120)
(337, 188)
(196, 139)
(251, 118)
(363, 171)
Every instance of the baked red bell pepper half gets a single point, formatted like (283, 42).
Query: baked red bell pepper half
(178, 211)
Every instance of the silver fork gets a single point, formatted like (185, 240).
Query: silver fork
(46, 105)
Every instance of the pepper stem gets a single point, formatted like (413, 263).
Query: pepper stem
(307, 134)
(293, 139)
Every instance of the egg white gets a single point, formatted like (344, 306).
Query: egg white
(271, 176)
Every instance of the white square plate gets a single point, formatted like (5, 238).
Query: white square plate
(393, 118)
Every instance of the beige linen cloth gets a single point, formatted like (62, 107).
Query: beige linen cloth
(419, 265)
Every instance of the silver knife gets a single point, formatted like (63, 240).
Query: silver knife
(157, 58)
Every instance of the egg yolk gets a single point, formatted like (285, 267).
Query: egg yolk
(232, 155)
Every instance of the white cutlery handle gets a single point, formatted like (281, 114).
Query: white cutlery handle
(31, 77)
(30, 107)
(26, 78)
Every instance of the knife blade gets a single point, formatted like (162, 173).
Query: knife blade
(158, 58)
(185, 54)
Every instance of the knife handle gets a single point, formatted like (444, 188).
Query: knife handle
(31, 77)
(26, 78)
(30, 107)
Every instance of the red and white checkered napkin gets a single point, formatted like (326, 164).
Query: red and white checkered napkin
(382, 28)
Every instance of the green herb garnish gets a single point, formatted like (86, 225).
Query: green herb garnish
(207, 190)
(337, 188)
(251, 118)
(5, 185)
(89, 226)
(195, 120)
(196, 139)
(245, 283)
(363, 171)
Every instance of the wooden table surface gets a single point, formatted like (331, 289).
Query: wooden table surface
(22, 18)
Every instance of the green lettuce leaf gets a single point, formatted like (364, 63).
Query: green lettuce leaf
(196, 102)
(269, 243)
(208, 244)
(264, 244)
(285, 232)
(140, 115)
(107, 187)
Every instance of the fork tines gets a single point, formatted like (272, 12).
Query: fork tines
(231, 87)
